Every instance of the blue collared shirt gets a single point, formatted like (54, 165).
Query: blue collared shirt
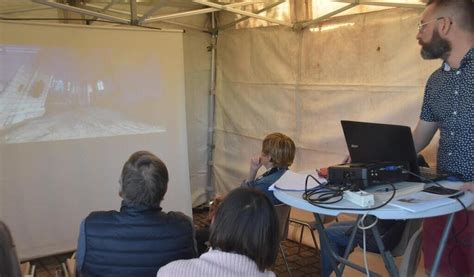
(264, 181)
(449, 101)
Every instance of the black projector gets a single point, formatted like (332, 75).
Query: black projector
(364, 175)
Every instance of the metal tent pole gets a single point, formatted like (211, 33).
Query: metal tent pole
(212, 96)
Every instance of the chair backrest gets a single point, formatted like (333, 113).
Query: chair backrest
(411, 227)
(283, 213)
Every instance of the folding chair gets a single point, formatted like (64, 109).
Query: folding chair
(409, 247)
(283, 213)
(69, 267)
(311, 226)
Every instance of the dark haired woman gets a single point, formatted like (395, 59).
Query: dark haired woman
(244, 239)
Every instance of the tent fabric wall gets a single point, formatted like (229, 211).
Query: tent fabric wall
(362, 67)
(197, 70)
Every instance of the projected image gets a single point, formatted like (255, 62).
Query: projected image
(57, 94)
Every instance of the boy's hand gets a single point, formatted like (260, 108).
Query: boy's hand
(255, 163)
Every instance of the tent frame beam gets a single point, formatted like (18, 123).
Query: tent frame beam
(189, 26)
(210, 188)
(241, 12)
(83, 11)
(180, 14)
(152, 10)
(133, 12)
(108, 6)
(193, 12)
(211, 7)
(25, 10)
(383, 4)
(228, 25)
(300, 26)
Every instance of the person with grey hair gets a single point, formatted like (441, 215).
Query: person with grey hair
(140, 238)
(446, 32)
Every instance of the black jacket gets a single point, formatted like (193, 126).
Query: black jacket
(136, 241)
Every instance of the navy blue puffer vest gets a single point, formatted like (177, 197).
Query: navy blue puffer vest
(136, 241)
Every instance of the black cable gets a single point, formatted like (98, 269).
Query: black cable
(325, 192)
(466, 222)
(458, 242)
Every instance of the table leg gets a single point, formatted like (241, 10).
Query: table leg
(336, 258)
(442, 245)
(351, 243)
(386, 255)
(327, 245)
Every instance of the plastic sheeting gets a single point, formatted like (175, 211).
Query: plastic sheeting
(363, 67)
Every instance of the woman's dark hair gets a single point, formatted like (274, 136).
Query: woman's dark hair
(246, 223)
(9, 265)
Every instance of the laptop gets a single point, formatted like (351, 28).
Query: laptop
(375, 142)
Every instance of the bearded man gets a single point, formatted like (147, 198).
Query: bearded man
(446, 32)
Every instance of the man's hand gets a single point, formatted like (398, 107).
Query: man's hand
(469, 187)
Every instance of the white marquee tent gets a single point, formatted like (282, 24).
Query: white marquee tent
(256, 67)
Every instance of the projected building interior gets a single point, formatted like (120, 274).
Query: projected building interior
(53, 94)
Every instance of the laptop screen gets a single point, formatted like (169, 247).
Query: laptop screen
(375, 142)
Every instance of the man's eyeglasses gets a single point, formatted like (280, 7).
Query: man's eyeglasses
(421, 26)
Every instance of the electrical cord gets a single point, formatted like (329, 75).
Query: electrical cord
(458, 242)
(360, 225)
(365, 253)
(321, 195)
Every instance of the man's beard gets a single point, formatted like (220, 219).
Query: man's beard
(436, 48)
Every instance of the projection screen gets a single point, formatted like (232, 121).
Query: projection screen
(75, 102)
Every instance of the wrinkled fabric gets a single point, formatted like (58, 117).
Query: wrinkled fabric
(363, 67)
